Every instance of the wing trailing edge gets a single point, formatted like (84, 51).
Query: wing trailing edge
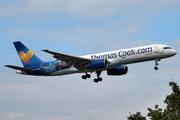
(77, 62)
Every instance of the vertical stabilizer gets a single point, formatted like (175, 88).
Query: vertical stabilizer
(28, 58)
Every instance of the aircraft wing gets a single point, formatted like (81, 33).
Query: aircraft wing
(19, 68)
(77, 62)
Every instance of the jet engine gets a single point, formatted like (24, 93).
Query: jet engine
(121, 70)
(98, 64)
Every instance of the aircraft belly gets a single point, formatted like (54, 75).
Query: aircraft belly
(130, 60)
(65, 71)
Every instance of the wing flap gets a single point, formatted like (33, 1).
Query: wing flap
(19, 68)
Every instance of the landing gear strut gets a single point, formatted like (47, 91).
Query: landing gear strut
(156, 64)
(98, 78)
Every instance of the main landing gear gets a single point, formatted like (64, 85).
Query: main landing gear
(156, 64)
(99, 79)
(96, 80)
(86, 76)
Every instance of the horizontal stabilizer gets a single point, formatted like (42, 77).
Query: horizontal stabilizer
(19, 68)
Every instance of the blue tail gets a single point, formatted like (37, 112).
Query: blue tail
(28, 58)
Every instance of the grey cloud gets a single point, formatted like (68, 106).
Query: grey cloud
(12, 115)
(70, 97)
(121, 29)
(91, 36)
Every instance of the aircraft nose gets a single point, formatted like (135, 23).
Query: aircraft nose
(174, 52)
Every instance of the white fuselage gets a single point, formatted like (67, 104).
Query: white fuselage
(126, 56)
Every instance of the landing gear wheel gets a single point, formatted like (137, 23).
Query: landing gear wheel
(99, 79)
(84, 77)
(156, 68)
(96, 80)
(88, 75)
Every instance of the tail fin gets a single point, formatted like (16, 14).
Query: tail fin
(28, 58)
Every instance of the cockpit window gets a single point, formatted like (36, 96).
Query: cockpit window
(167, 48)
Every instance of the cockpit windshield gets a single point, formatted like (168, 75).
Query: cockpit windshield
(167, 48)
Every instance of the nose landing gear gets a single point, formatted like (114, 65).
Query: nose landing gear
(156, 64)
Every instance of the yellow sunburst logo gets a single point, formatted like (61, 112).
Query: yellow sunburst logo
(26, 57)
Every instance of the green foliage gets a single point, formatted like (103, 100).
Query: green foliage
(172, 111)
(136, 116)
(156, 114)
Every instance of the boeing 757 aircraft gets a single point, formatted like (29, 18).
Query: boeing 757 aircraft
(114, 62)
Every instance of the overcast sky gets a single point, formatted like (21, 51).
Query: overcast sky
(81, 27)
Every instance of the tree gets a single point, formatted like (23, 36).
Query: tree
(136, 116)
(172, 111)
(156, 114)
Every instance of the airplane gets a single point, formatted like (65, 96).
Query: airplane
(114, 62)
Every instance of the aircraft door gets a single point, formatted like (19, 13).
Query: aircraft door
(155, 49)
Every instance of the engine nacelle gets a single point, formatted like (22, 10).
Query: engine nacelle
(121, 70)
(98, 64)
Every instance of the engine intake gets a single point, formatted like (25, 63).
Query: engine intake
(121, 70)
(98, 64)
